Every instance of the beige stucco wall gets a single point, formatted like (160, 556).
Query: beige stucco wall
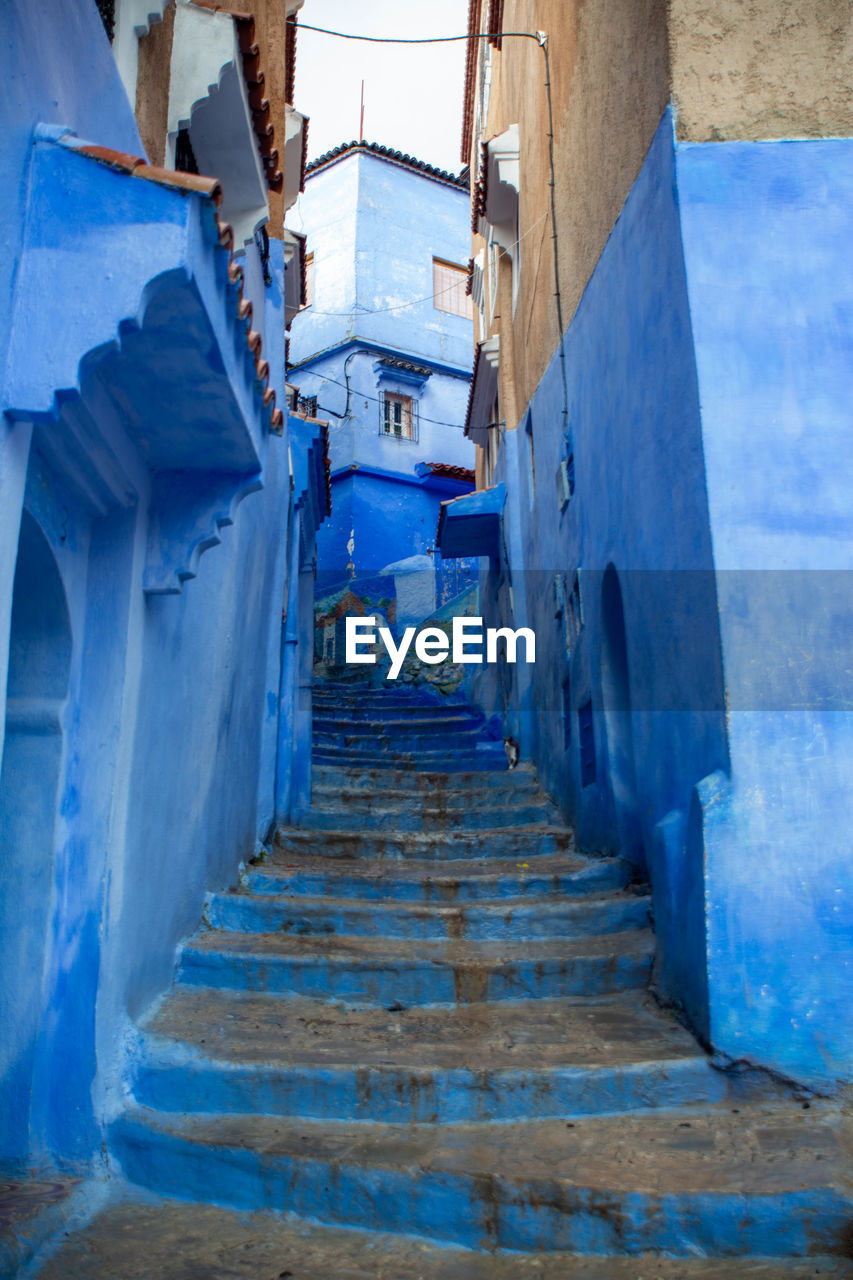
(606, 56)
(750, 69)
(737, 69)
(270, 17)
(152, 85)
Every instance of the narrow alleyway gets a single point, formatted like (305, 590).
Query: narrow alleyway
(427, 1014)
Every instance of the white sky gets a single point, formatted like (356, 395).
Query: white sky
(412, 94)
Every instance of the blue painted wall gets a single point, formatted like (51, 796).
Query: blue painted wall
(705, 680)
(766, 230)
(374, 227)
(639, 506)
(141, 732)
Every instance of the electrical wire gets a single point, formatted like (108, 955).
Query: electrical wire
(349, 35)
(364, 395)
(400, 306)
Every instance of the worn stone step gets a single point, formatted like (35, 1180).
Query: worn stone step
(173, 1240)
(405, 726)
(483, 758)
(477, 922)
(381, 711)
(468, 786)
(421, 816)
(389, 693)
(535, 841)
(409, 972)
(205, 1050)
(449, 882)
(371, 794)
(684, 1181)
(460, 739)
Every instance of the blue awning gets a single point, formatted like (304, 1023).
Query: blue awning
(471, 525)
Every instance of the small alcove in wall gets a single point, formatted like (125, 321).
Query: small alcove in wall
(37, 687)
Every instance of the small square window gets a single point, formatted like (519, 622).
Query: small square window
(449, 289)
(398, 417)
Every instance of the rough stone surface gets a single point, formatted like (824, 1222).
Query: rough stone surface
(762, 69)
(174, 1241)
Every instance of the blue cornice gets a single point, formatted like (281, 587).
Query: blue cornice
(376, 348)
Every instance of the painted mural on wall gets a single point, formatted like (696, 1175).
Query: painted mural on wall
(430, 594)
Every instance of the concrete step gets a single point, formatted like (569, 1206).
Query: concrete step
(377, 712)
(205, 1050)
(466, 788)
(414, 723)
(417, 815)
(480, 759)
(372, 795)
(685, 1181)
(520, 843)
(476, 922)
(450, 882)
(136, 1239)
(390, 692)
(380, 971)
(372, 741)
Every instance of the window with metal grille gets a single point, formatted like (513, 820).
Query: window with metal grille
(399, 417)
(586, 734)
(449, 288)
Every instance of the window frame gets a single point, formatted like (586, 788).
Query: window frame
(444, 293)
(386, 400)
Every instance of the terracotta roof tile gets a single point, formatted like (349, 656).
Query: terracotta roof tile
(254, 77)
(480, 190)
(304, 169)
(474, 9)
(446, 471)
(496, 22)
(290, 31)
(387, 153)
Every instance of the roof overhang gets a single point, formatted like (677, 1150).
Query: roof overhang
(295, 155)
(208, 96)
(484, 391)
(294, 274)
(471, 525)
(129, 323)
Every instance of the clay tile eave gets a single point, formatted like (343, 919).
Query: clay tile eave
(290, 30)
(191, 182)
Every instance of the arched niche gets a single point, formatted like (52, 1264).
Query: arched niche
(37, 686)
(616, 703)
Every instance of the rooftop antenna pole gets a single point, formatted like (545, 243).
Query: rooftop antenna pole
(361, 121)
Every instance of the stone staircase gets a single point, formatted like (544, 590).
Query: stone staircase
(426, 1016)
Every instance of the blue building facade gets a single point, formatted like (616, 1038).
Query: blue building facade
(669, 509)
(384, 349)
(150, 527)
